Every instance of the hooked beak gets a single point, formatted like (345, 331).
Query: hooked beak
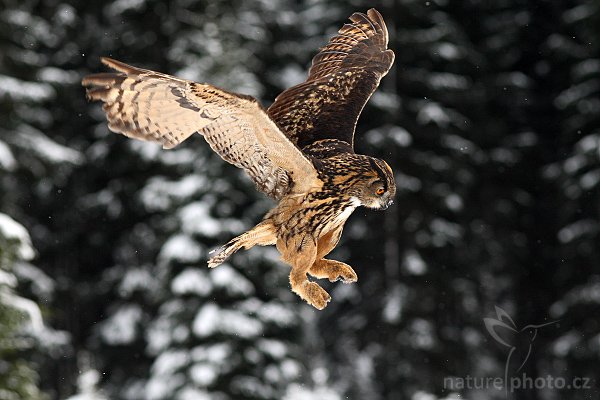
(388, 203)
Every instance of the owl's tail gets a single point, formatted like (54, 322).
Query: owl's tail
(262, 234)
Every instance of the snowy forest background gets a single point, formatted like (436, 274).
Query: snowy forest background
(489, 118)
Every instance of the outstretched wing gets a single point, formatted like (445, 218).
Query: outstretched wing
(155, 107)
(341, 80)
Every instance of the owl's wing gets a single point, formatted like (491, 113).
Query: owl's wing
(156, 107)
(342, 78)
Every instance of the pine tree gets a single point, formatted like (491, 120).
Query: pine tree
(576, 174)
(21, 324)
(468, 135)
(488, 118)
(130, 209)
(86, 385)
(144, 220)
(33, 166)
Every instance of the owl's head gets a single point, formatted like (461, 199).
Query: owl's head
(376, 188)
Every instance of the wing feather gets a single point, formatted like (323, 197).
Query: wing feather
(342, 78)
(160, 108)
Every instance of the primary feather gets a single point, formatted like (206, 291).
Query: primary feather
(342, 78)
(156, 107)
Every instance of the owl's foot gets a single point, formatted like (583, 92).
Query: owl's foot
(262, 234)
(223, 252)
(313, 294)
(333, 270)
(301, 254)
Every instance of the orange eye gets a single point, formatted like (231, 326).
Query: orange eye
(379, 192)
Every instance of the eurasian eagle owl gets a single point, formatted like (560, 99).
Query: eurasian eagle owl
(299, 151)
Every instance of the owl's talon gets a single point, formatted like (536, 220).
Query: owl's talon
(313, 294)
(316, 296)
(345, 274)
(333, 270)
(219, 255)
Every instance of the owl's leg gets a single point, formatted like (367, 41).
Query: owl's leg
(262, 234)
(301, 254)
(331, 269)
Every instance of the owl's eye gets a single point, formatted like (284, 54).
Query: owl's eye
(380, 192)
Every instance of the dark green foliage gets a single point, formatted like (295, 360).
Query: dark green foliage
(18, 379)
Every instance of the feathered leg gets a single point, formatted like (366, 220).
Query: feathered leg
(262, 234)
(301, 254)
(331, 269)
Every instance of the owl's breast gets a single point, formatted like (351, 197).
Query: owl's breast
(345, 211)
(323, 216)
(310, 215)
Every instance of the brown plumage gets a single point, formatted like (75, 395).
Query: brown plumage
(343, 76)
(299, 151)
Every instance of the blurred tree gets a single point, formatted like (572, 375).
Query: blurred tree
(21, 325)
(440, 254)
(33, 166)
(574, 288)
(135, 294)
(468, 118)
(489, 119)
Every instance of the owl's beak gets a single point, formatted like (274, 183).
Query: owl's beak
(388, 203)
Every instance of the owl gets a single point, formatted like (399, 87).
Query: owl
(299, 151)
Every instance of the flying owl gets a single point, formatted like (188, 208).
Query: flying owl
(299, 151)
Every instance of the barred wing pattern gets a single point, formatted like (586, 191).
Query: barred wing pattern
(343, 76)
(160, 108)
